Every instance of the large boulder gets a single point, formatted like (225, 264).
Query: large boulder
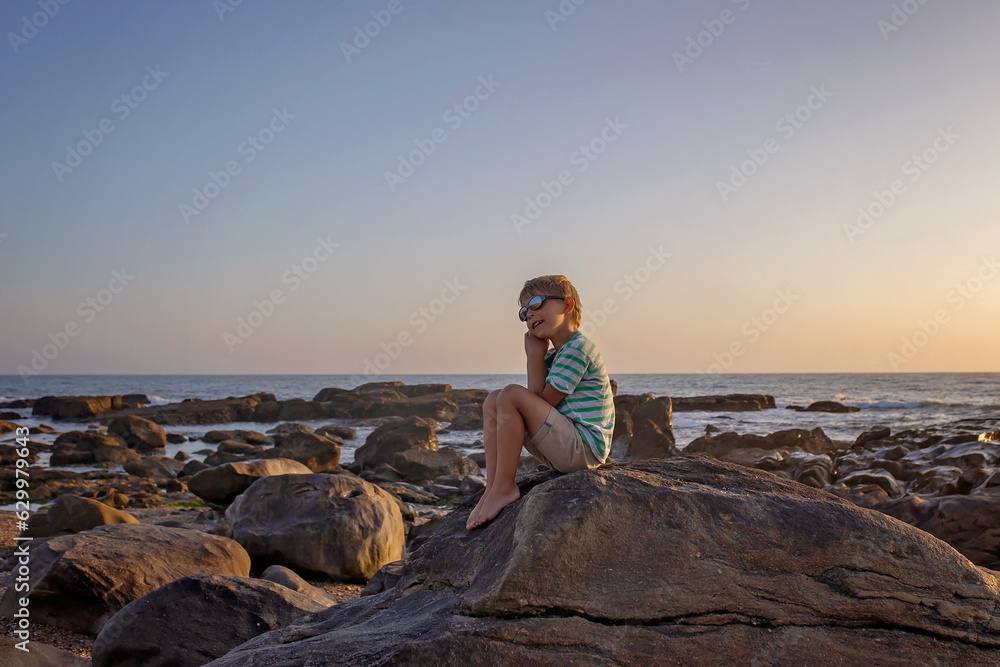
(73, 514)
(652, 431)
(75, 407)
(140, 434)
(423, 465)
(156, 467)
(195, 619)
(221, 484)
(317, 452)
(336, 525)
(37, 654)
(79, 581)
(736, 566)
(404, 435)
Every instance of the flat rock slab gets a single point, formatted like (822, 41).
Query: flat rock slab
(686, 559)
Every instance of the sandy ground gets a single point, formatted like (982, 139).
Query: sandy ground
(82, 644)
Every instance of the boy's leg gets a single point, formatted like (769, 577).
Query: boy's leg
(490, 445)
(518, 410)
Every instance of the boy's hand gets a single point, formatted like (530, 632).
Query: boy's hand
(534, 347)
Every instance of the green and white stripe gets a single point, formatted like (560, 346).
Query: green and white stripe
(577, 370)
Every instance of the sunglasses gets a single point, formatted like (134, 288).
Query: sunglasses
(534, 303)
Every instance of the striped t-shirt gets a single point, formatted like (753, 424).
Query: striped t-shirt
(577, 370)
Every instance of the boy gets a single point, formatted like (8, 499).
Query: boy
(565, 417)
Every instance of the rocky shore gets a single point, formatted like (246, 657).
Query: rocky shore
(736, 547)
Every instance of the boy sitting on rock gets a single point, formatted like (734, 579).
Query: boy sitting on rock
(565, 417)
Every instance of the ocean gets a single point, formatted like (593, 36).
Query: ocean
(896, 400)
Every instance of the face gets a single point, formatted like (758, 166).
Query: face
(549, 317)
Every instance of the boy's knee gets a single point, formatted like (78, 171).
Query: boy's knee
(509, 393)
(490, 404)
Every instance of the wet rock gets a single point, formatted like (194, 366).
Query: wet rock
(971, 524)
(337, 525)
(195, 619)
(830, 406)
(79, 581)
(342, 432)
(176, 438)
(813, 575)
(880, 478)
(194, 412)
(939, 480)
(385, 578)
(427, 465)
(115, 454)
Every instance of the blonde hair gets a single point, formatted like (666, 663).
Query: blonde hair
(554, 285)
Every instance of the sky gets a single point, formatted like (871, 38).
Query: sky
(732, 186)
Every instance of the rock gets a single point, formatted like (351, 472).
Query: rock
(75, 407)
(41, 429)
(426, 465)
(176, 438)
(991, 436)
(748, 569)
(157, 467)
(872, 436)
(471, 484)
(115, 454)
(468, 420)
(652, 431)
(940, 481)
(193, 467)
(182, 456)
(384, 443)
(722, 444)
(73, 514)
(410, 493)
(814, 441)
(221, 484)
(971, 524)
(727, 403)
(285, 577)
(87, 440)
(249, 437)
(37, 655)
(79, 581)
(297, 409)
(336, 525)
(288, 429)
(410, 391)
(193, 412)
(134, 400)
(241, 448)
(139, 434)
(330, 393)
(384, 579)
(880, 478)
(342, 432)
(195, 619)
(317, 452)
(830, 406)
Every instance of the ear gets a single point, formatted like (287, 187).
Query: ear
(570, 304)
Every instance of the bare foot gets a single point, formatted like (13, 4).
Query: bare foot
(495, 501)
(476, 511)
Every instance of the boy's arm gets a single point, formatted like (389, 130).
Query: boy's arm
(537, 373)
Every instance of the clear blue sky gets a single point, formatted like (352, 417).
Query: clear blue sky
(674, 133)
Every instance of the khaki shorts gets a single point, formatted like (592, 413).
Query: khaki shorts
(559, 445)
